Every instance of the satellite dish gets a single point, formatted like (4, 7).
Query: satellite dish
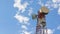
(34, 16)
(44, 10)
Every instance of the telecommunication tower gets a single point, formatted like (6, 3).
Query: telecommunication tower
(41, 21)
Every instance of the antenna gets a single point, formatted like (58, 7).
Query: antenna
(41, 21)
(44, 10)
(34, 16)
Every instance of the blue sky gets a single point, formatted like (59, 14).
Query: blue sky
(15, 16)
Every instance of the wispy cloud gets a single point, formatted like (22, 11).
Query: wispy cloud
(24, 27)
(30, 11)
(58, 27)
(40, 3)
(50, 3)
(25, 32)
(50, 31)
(22, 19)
(59, 11)
(21, 7)
(55, 4)
(56, 1)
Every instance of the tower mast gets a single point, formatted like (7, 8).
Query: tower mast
(41, 21)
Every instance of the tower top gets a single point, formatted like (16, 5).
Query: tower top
(44, 10)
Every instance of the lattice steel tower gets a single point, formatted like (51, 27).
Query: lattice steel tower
(41, 21)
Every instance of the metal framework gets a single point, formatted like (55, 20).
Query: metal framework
(41, 24)
(41, 21)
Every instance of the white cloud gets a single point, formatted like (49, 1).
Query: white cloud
(22, 19)
(58, 27)
(59, 11)
(40, 3)
(56, 1)
(50, 4)
(55, 5)
(30, 11)
(21, 7)
(24, 27)
(50, 31)
(26, 32)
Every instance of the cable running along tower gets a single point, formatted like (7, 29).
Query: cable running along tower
(41, 21)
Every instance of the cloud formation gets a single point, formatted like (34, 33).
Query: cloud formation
(25, 32)
(24, 27)
(50, 31)
(30, 11)
(22, 19)
(21, 7)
